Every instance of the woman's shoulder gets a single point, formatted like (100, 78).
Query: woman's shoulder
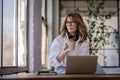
(59, 38)
(85, 43)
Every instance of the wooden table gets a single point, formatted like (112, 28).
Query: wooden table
(29, 76)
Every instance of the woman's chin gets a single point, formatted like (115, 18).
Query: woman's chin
(70, 31)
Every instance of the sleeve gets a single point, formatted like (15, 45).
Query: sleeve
(85, 48)
(55, 49)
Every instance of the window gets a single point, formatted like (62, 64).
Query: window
(50, 27)
(13, 36)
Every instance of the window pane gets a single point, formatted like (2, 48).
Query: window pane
(22, 33)
(8, 33)
(44, 37)
(112, 58)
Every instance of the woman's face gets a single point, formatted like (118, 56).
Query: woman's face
(71, 26)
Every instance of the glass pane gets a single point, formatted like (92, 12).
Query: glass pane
(22, 54)
(8, 33)
(44, 48)
(108, 57)
(113, 41)
(112, 58)
(0, 27)
(44, 37)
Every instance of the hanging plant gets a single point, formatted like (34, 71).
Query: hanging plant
(98, 34)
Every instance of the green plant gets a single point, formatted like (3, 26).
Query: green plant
(98, 34)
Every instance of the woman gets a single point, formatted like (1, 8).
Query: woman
(71, 41)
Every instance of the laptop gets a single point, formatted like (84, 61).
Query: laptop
(81, 64)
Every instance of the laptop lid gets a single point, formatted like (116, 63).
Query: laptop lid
(81, 64)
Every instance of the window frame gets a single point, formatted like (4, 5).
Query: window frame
(118, 6)
(12, 69)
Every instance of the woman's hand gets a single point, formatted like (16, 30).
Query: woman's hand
(63, 53)
(65, 47)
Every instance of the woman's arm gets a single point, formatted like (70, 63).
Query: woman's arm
(57, 53)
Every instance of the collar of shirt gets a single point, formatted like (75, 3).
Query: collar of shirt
(66, 39)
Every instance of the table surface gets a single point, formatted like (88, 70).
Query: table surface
(61, 76)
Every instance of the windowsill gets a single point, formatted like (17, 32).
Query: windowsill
(12, 70)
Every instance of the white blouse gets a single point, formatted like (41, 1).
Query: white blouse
(80, 49)
(57, 46)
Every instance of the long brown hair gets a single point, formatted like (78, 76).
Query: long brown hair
(82, 29)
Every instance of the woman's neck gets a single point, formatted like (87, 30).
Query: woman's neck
(73, 39)
(72, 36)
